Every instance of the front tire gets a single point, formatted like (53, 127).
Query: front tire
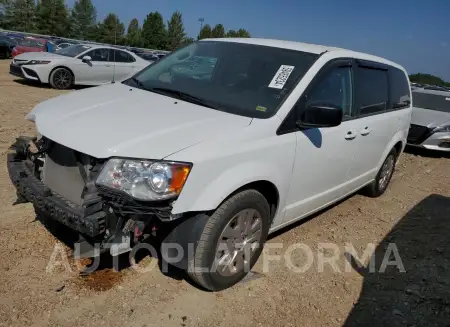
(231, 241)
(61, 79)
(383, 178)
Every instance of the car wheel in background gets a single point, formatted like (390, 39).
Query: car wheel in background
(383, 178)
(61, 79)
(231, 241)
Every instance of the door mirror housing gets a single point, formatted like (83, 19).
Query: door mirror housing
(320, 115)
(86, 59)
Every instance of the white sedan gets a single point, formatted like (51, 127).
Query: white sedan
(77, 65)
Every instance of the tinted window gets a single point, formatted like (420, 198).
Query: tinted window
(120, 56)
(400, 93)
(73, 50)
(31, 43)
(203, 67)
(335, 88)
(438, 102)
(98, 54)
(64, 45)
(256, 88)
(371, 90)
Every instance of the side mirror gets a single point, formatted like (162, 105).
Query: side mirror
(86, 59)
(320, 115)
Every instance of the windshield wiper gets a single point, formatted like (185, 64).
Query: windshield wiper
(184, 96)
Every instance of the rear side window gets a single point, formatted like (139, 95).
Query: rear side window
(400, 93)
(120, 56)
(371, 90)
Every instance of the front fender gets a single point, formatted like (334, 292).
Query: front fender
(196, 197)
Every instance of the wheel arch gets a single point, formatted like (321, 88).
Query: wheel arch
(61, 66)
(267, 189)
(398, 143)
(203, 194)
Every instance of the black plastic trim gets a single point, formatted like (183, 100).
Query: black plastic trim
(13, 68)
(54, 206)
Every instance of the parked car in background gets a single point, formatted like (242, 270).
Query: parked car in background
(212, 166)
(78, 64)
(430, 122)
(197, 67)
(148, 56)
(63, 45)
(29, 45)
(7, 45)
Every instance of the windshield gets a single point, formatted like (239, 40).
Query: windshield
(436, 102)
(243, 79)
(73, 50)
(31, 43)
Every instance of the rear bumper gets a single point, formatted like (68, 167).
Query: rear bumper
(53, 205)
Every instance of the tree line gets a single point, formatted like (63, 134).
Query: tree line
(53, 17)
(428, 79)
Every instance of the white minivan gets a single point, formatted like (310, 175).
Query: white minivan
(212, 157)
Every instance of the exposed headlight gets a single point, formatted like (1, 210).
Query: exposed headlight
(144, 179)
(38, 62)
(442, 129)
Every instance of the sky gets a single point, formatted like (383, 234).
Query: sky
(415, 34)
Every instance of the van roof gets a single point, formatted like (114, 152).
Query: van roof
(307, 47)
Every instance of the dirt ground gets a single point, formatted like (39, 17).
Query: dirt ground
(414, 214)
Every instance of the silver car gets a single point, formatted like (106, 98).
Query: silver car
(430, 122)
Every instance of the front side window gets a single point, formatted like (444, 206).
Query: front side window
(371, 90)
(98, 54)
(243, 79)
(335, 88)
(400, 93)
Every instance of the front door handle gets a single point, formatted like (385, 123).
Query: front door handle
(350, 135)
(107, 65)
(366, 131)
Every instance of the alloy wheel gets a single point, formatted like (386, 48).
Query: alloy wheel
(386, 172)
(238, 242)
(62, 79)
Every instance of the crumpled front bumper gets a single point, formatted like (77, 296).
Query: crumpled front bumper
(88, 222)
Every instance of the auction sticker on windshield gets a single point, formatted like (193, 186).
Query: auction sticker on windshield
(281, 77)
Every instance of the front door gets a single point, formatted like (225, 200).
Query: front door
(97, 71)
(324, 156)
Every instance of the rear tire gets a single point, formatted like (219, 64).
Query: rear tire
(214, 266)
(383, 178)
(61, 79)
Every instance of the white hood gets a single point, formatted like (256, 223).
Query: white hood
(118, 120)
(39, 56)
